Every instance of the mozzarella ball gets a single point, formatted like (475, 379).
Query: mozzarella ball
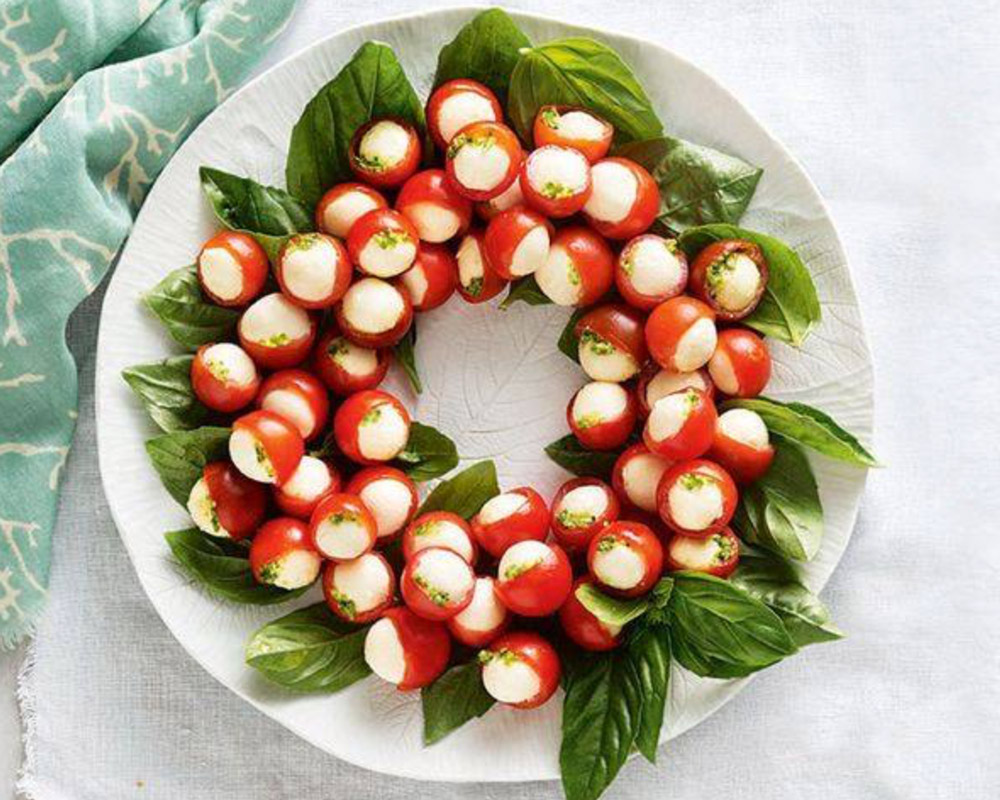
(373, 306)
(555, 172)
(341, 536)
(388, 253)
(559, 278)
(520, 557)
(507, 199)
(201, 507)
(293, 407)
(501, 507)
(384, 145)
(695, 501)
(581, 507)
(745, 426)
(694, 552)
(229, 363)
(309, 268)
(617, 565)
(471, 268)
(383, 433)
(274, 320)
(446, 534)
(434, 222)
(722, 372)
(362, 584)
(667, 382)
(443, 574)
(461, 109)
(295, 569)
(508, 679)
(696, 346)
(531, 252)
(485, 612)
(615, 189)
(348, 208)
(384, 653)
(734, 282)
(653, 268)
(249, 456)
(355, 360)
(581, 126)
(669, 415)
(599, 402)
(481, 166)
(641, 477)
(602, 361)
(310, 480)
(221, 273)
(390, 502)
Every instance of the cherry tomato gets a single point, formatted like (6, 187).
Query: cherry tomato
(636, 475)
(483, 620)
(514, 516)
(581, 509)
(578, 128)
(436, 210)
(265, 447)
(477, 280)
(602, 415)
(681, 425)
(625, 559)
(341, 527)
(281, 554)
(458, 103)
(385, 152)
(729, 275)
(534, 578)
(512, 196)
(650, 270)
(437, 583)
(696, 498)
(312, 481)
(224, 377)
(741, 445)
(383, 243)
(313, 270)
(433, 277)
(225, 503)
(232, 268)
(611, 343)
(717, 554)
(680, 334)
(655, 383)
(344, 205)
(520, 669)
(555, 180)
(299, 397)
(391, 496)
(359, 590)
(741, 364)
(517, 242)
(347, 368)
(482, 160)
(371, 427)
(439, 529)
(276, 333)
(425, 645)
(374, 313)
(582, 627)
(579, 269)
(624, 200)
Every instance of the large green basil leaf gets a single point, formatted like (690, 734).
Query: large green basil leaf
(649, 650)
(223, 568)
(371, 85)
(581, 72)
(720, 631)
(485, 50)
(452, 700)
(406, 356)
(165, 390)
(180, 457)
(465, 493)
(525, 290)
(610, 610)
(569, 454)
(428, 453)
(191, 322)
(309, 650)
(809, 427)
(245, 205)
(698, 185)
(789, 309)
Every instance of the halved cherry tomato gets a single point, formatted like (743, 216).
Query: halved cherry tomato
(611, 343)
(650, 270)
(741, 445)
(696, 498)
(436, 210)
(224, 377)
(265, 447)
(433, 277)
(717, 554)
(680, 334)
(313, 270)
(517, 242)
(579, 269)
(602, 415)
(341, 527)
(514, 652)
(226, 503)
(625, 559)
(391, 496)
(360, 590)
(581, 509)
(276, 332)
(374, 313)
(426, 648)
(437, 583)
(483, 620)
(346, 367)
(582, 627)
(624, 200)
(514, 516)
(729, 275)
(232, 268)
(299, 397)
(741, 363)
(636, 475)
(383, 243)
(439, 529)
(372, 164)
(458, 103)
(681, 425)
(534, 578)
(477, 280)
(482, 160)
(574, 127)
(656, 383)
(556, 181)
(281, 554)
(371, 427)
(312, 481)
(344, 205)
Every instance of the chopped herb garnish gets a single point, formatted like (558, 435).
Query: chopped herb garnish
(219, 370)
(693, 481)
(438, 597)
(551, 118)
(372, 416)
(597, 344)
(278, 340)
(371, 163)
(345, 604)
(517, 570)
(474, 287)
(724, 548)
(262, 459)
(575, 519)
(556, 191)
(589, 420)
(607, 544)
(389, 239)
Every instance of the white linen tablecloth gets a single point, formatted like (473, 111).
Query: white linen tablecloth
(895, 111)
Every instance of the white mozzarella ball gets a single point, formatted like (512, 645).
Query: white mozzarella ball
(559, 278)
(415, 281)
(353, 359)
(485, 612)
(695, 502)
(737, 283)
(481, 166)
(434, 222)
(602, 361)
(470, 262)
(667, 382)
(364, 582)
(230, 363)
(581, 126)
(291, 406)
(295, 569)
(390, 502)
(502, 506)
(444, 573)
(531, 252)
(461, 109)
(618, 566)
(341, 214)
(249, 456)
(696, 346)
(615, 189)
(653, 268)
(384, 144)
(309, 268)
(509, 679)
(443, 533)
(520, 557)
(597, 402)
(382, 437)
(221, 273)
(693, 552)
(274, 320)
(556, 172)
(384, 652)
(373, 306)
(669, 415)
(722, 372)
(387, 254)
(310, 479)
(342, 536)
(201, 507)
(641, 477)
(746, 426)
(507, 199)
(582, 506)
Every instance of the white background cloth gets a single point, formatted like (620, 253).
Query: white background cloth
(895, 112)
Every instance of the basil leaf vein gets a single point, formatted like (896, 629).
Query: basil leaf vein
(165, 390)
(455, 698)
(180, 457)
(191, 322)
(465, 493)
(428, 453)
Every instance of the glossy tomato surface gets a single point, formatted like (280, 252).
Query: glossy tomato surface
(356, 410)
(280, 440)
(638, 493)
(240, 503)
(335, 354)
(534, 587)
(274, 542)
(655, 383)
(344, 204)
(627, 270)
(341, 509)
(433, 277)
(384, 229)
(429, 600)
(484, 619)
(582, 627)
(552, 198)
(741, 363)
(298, 396)
(296, 503)
(642, 212)
(212, 384)
(503, 235)
(422, 200)
(618, 324)
(375, 173)
(482, 284)
(529, 521)
(742, 461)
(389, 521)
(605, 433)
(280, 351)
(640, 541)
(538, 654)
(439, 529)
(342, 605)
(253, 266)
(352, 327)
(474, 143)
(591, 260)
(574, 529)
(665, 332)
(294, 277)
(426, 647)
(694, 475)
(693, 437)
(443, 128)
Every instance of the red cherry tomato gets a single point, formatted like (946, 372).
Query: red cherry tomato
(371, 427)
(514, 516)
(266, 447)
(281, 554)
(681, 425)
(299, 397)
(341, 527)
(680, 334)
(458, 103)
(439, 529)
(636, 475)
(746, 457)
(511, 196)
(579, 269)
(475, 157)
(432, 279)
(436, 210)
(619, 217)
(512, 649)
(344, 205)
(374, 313)
(378, 168)
(534, 578)
(625, 559)
(239, 503)
(730, 276)
(437, 583)
(312, 481)
(483, 620)
(477, 280)
(611, 343)
(228, 255)
(313, 270)
(506, 234)
(716, 555)
(555, 180)
(655, 383)
(696, 498)
(741, 364)
(360, 590)
(347, 368)
(602, 415)
(216, 373)
(581, 509)
(582, 627)
(650, 270)
(426, 646)
(383, 243)
(593, 138)
(276, 333)
(391, 496)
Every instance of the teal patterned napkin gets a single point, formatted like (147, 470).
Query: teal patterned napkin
(95, 97)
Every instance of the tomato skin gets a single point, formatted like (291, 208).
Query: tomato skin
(504, 234)
(349, 416)
(411, 537)
(668, 323)
(282, 356)
(721, 570)
(608, 434)
(381, 220)
(644, 209)
(641, 540)
(698, 281)
(699, 379)
(742, 354)
(376, 341)
(618, 324)
(448, 90)
(627, 289)
(369, 475)
(474, 637)
(531, 521)
(341, 280)
(224, 396)
(502, 137)
(417, 598)
(744, 463)
(539, 655)
(329, 575)
(426, 647)
(696, 432)
(281, 441)
(253, 262)
(300, 507)
(307, 388)
(593, 259)
(492, 282)
(539, 590)
(576, 540)
(337, 379)
(730, 495)
(436, 265)
(277, 538)
(341, 503)
(583, 628)
(593, 149)
(240, 503)
(431, 186)
(390, 178)
(554, 207)
(618, 477)
(338, 191)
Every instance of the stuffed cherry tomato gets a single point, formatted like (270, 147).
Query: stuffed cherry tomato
(374, 313)
(513, 516)
(741, 445)
(439, 529)
(680, 334)
(407, 650)
(517, 242)
(232, 268)
(361, 589)
(625, 559)
(730, 276)
(313, 270)
(276, 333)
(225, 503)
(265, 447)
(582, 627)
(385, 152)
(437, 211)
(624, 199)
(579, 269)
(437, 583)
(458, 103)
(681, 425)
(568, 126)
(347, 368)
(611, 345)
(656, 383)
(717, 554)
(556, 180)
(432, 279)
(636, 475)
(741, 364)
(482, 160)
(477, 280)
(650, 270)
(312, 481)
(344, 205)
(602, 415)
(483, 620)
(342, 527)
(696, 498)
(299, 397)
(534, 578)
(371, 427)
(511, 196)
(281, 554)
(520, 669)
(224, 377)
(383, 243)
(581, 509)
(390, 495)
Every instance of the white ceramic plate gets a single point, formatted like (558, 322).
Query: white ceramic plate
(494, 381)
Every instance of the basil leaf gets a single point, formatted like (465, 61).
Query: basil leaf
(180, 457)
(452, 700)
(406, 356)
(428, 453)
(223, 568)
(371, 85)
(465, 493)
(789, 309)
(309, 650)
(611, 610)
(245, 205)
(485, 50)
(809, 427)
(698, 185)
(569, 454)
(581, 72)
(781, 511)
(525, 290)
(720, 631)
(569, 342)
(165, 390)
(191, 322)
(649, 650)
